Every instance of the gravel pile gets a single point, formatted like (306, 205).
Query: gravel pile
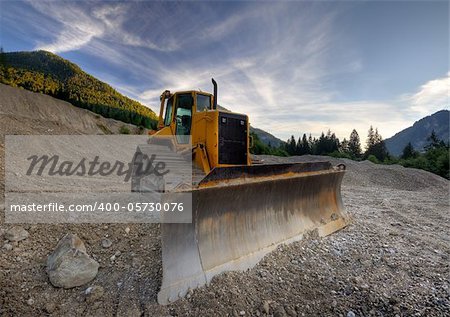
(392, 260)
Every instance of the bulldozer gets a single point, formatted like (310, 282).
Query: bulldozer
(241, 209)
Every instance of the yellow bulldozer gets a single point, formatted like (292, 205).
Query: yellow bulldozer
(240, 210)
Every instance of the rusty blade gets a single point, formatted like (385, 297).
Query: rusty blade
(242, 215)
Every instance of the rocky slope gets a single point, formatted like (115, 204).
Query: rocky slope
(418, 133)
(25, 112)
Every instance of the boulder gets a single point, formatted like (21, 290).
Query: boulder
(69, 265)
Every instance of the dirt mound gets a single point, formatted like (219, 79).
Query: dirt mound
(369, 174)
(392, 260)
(25, 112)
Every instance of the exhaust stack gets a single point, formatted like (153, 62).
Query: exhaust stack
(215, 93)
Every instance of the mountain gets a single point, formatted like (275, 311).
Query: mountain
(266, 137)
(47, 73)
(418, 133)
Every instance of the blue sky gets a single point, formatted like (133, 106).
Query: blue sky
(293, 67)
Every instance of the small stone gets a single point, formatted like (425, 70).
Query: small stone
(112, 258)
(290, 311)
(127, 230)
(242, 313)
(16, 233)
(279, 312)
(50, 307)
(118, 253)
(364, 286)
(30, 301)
(94, 293)
(351, 314)
(106, 243)
(7, 247)
(136, 262)
(266, 307)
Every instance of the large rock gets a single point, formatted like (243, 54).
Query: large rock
(69, 265)
(16, 233)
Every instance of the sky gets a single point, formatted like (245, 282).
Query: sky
(294, 67)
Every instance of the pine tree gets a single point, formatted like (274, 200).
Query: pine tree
(320, 145)
(434, 141)
(344, 146)
(306, 145)
(376, 146)
(291, 146)
(334, 143)
(354, 145)
(299, 147)
(408, 151)
(370, 138)
(377, 136)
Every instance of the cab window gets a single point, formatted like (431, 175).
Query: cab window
(169, 110)
(184, 105)
(203, 102)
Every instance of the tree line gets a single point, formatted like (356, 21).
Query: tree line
(434, 158)
(49, 74)
(329, 144)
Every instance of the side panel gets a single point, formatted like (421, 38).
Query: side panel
(212, 138)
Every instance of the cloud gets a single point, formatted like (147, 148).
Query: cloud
(277, 80)
(80, 25)
(77, 28)
(431, 97)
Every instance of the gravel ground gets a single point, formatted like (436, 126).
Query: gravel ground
(392, 260)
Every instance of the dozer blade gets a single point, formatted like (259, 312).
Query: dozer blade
(242, 213)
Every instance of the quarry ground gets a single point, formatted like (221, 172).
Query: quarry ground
(393, 258)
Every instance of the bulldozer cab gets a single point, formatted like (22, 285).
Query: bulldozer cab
(179, 108)
(193, 100)
(218, 138)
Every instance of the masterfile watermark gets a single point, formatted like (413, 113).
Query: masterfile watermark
(55, 166)
(95, 179)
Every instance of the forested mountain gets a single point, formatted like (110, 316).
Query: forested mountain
(419, 132)
(50, 74)
(266, 137)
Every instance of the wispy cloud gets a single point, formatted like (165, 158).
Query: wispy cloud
(431, 96)
(77, 28)
(278, 75)
(81, 24)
